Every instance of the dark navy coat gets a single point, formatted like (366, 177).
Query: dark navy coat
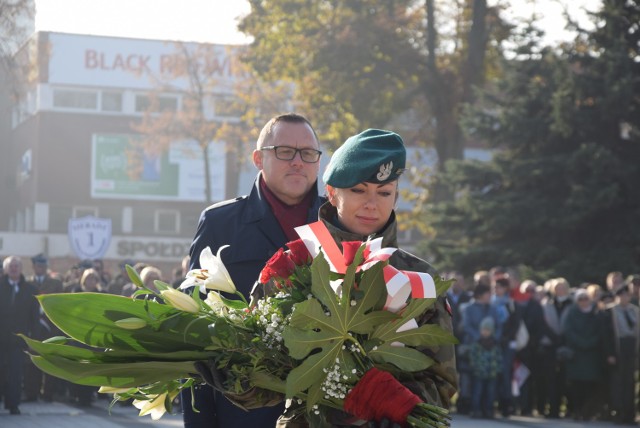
(253, 233)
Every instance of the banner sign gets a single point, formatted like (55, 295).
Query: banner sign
(89, 237)
(121, 168)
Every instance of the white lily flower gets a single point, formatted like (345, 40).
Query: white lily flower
(212, 275)
(155, 407)
(214, 301)
(180, 300)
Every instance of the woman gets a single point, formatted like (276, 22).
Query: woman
(362, 188)
(583, 332)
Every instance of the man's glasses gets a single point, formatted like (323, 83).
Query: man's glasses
(287, 153)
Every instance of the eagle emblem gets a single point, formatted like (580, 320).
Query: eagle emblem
(385, 171)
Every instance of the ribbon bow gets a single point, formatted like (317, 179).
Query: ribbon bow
(400, 284)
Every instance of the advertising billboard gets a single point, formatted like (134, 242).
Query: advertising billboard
(121, 168)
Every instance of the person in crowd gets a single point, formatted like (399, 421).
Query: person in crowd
(284, 196)
(472, 313)
(482, 276)
(633, 281)
(531, 311)
(497, 272)
(181, 272)
(149, 275)
(614, 280)
(486, 364)
(623, 341)
(105, 277)
(36, 383)
(74, 275)
(510, 318)
(89, 282)
(480, 308)
(540, 294)
(19, 314)
(362, 187)
(552, 380)
(121, 279)
(584, 335)
(458, 297)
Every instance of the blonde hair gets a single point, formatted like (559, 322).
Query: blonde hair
(88, 273)
(150, 272)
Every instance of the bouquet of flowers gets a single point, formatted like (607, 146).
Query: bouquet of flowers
(327, 332)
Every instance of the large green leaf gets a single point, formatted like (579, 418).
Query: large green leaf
(425, 335)
(404, 358)
(122, 375)
(90, 317)
(97, 355)
(311, 370)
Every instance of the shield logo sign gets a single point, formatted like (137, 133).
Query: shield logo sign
(89, 236)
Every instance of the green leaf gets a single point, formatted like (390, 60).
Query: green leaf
(404, 358)
(90, 319)
(302, 342)
(77, 353)
(314, 396)
(311, 370)
(124, 375)
(425, 335)
(233, 303)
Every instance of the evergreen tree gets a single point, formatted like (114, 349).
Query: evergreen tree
(561, 194)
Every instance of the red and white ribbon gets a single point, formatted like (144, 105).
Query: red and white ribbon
(400, 284)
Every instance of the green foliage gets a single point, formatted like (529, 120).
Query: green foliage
(560, 195)
(361, 64)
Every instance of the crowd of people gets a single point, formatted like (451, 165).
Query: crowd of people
(20, 380)
(551, 350)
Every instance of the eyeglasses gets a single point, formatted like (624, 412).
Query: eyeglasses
(287, 153)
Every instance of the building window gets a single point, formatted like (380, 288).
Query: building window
(156, 104)
(167, 221)
(111, 101)
(66, 98)
(84, 212)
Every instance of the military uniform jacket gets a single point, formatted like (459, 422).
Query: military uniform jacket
(438, 383)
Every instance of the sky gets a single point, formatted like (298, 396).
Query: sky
(215, 21)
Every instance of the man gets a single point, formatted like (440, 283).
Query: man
(284, 196)
(551, 383)
(34, 379)
(623, 351)
(510, 318)
(18, 314)
(42, 279)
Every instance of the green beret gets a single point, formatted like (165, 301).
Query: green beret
(375, 156)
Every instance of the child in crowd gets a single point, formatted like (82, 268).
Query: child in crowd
(485, 361)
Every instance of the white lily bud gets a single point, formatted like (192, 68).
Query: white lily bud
(131, 323)
(180, 300)
(113, 390)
